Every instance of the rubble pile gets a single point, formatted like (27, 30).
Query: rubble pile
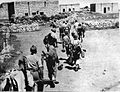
(94, 21)
(102, 24)
(24, 28)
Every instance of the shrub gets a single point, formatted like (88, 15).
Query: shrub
(117, 24)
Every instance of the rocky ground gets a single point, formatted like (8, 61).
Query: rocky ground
(99, 70)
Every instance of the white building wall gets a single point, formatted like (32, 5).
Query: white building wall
(98, 8)
(110, 7)
(62, 7)
(115, 8)
(77, 7)
(73, 7)
(20, 8)
(69, 7)
(50, 8)
(36, 6)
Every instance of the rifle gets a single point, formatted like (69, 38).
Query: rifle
(47, 81)
(44, 54)
(28, 88)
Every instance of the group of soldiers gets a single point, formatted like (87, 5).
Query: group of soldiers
(71, 37)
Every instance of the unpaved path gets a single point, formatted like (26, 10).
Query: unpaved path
(99, 69)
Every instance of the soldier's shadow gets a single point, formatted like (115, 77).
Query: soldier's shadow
(69, 67)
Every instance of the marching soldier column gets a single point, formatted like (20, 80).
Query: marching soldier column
(71, 36)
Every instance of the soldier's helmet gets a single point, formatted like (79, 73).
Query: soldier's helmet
(33, 49)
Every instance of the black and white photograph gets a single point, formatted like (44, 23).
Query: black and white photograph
(59, 46)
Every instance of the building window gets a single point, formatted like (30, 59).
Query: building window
(45, 4)
(34, 13)
(108, 8)
(69, 9)
(63, 10)
(73, 9)
(41, 13)
(26, 14)
(104, 9)
(37, 12)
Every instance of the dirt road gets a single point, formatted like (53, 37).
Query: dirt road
(99, 69)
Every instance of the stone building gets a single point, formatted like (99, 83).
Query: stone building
(69, 7)
(104, 7)
(48, 7)
(29, 8)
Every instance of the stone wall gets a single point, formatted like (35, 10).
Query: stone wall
(3, 11)
(69, 7)
(20, 8)
(49, 7)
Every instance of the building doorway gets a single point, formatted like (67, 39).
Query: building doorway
(93, 7)
(69, 9)
(41, 13)
(73, 9)
(11, 11)
(63, 10)
(104, 9)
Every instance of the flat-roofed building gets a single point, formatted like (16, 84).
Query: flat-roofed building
(69, 7)
(29, 8)
(104, 7)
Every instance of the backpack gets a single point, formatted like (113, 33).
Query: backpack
(49, 40)
(45, 40)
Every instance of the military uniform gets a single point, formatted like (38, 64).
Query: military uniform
(66, 42)
(50, 39)
(34, 63)
(51, 62)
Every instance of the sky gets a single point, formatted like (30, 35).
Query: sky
(82, 2)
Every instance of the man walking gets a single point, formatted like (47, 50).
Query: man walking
(51, 38)
(51, 62)
(35, 65)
